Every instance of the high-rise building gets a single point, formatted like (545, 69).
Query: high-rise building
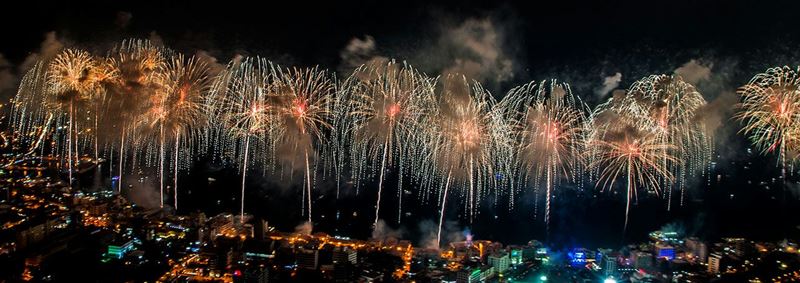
(260, 229)
(642, 260)
(345, 255)
(665, 251)
(698, 249)
(713, 263)
(516, 256)
(468, 275)
(609, 265)
(119, 249)
(307, 259)
(500, 261)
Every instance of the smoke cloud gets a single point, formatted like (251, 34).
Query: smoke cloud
(304, 228)
(694, 72)
(360, 52)
(143, 193)
(450, 233)
(49, 48)
(476, 51)
(473, 48)
(609, 83)
(384, 233)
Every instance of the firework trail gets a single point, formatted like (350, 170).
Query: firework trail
(548, 124)
(183, 113)
(461, 140)
(241, 100)
(385, 119)
(152, 125)
(303, 107)
(132, 103)
(74, 81)
(770, 110)
(622, 145)
(385, 106)
(671, 107)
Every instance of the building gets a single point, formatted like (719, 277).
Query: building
(609, 265)
(516, 256)
(468, 275)
(253, 275)
(345, 255)
(642, 260)
(713, 263)
(698, 249)
(500, 261)
(117, 251)
(665, 251)
(307, 259)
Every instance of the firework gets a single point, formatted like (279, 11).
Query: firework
(385, 106)
(151, 64)
(73, 81)
(134, 99)
(303, 106)
(770, 110)
(461, 140)
(241, 100)
(671, 107)
(548, 124)
(622, 146)
(182, 107)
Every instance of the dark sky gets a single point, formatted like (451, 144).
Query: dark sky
(580, 42)
(543, 37)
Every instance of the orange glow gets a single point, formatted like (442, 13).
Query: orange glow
(469, 134)
(300, 108)
(393, 110)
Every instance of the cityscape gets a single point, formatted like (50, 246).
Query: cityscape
(351, 142)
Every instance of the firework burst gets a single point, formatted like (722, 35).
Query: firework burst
(303, 108)
(671, 107)
(241, 102)
(548, 124)
(622, 146)
(461, 140)
(770, 109)
(385, 106)
(135, 94)
(182, 112)
(74, 82)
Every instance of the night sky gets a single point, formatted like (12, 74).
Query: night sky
(583, 44)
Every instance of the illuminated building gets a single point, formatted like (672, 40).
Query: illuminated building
(579, 257)
(500, 261)
(713, 263)
(642, 260)
(735, 246)
(516, 256)
(609, 265)
(665, 251)
(468, 275)
(119, 251)
(698, 249)
(344, 255)
(670, 237)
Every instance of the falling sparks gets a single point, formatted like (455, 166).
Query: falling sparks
(446, 136)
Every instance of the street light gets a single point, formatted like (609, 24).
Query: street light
(610, 280)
